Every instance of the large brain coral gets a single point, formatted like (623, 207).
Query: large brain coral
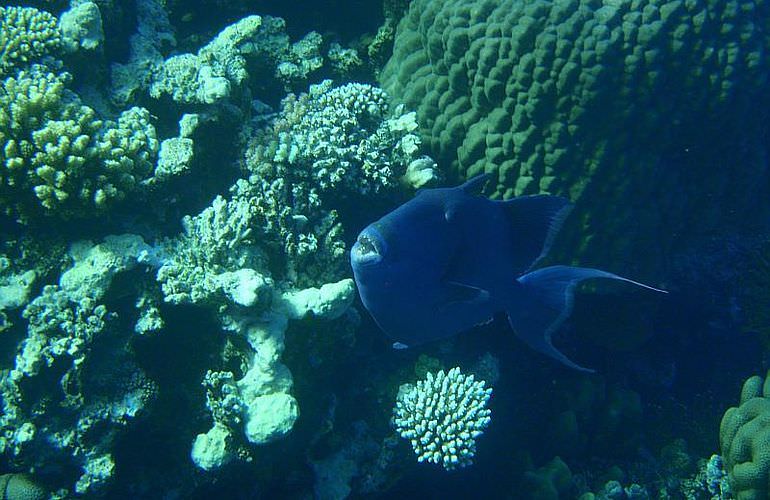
(533, 90)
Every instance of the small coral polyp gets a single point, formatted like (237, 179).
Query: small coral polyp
(442, 416)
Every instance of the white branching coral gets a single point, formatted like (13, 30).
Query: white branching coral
(442, 416)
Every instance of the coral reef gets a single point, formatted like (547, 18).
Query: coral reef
(221, 66)
(76, 419)
(176, 313)
(442, 416)
(609, 104)
(744, 438)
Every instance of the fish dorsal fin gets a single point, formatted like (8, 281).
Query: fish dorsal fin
(534, 222)
(474, 185)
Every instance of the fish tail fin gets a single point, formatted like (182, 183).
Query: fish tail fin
(547, 301)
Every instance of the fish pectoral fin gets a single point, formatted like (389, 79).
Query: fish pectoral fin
(455, 294)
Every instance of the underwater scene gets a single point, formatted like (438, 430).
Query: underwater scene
(408, 249)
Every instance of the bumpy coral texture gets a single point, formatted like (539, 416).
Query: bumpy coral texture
(58, 158)
(442, 416)
(26, 34)
(744, 437)
(326, 151)
(538, 92)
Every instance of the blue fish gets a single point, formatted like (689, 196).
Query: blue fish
(450, 259)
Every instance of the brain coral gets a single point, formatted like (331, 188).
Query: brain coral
(615, 101)
(58, 158)
(744, 437)
(532, 90)
(26, 34)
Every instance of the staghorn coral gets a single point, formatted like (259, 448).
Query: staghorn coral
(58, 159)
(26, 35)
(442, 416)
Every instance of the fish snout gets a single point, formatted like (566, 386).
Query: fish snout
(368, 249)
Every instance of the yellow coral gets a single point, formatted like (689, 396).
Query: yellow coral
(26, 34)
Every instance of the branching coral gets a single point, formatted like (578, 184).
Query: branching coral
(442, 416)
(57, 158)
(26, 34)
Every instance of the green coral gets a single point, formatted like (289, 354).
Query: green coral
(536, 92)
(744, 437)
(58, 158)
(26, 35)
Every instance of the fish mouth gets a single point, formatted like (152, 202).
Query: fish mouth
(369, 248)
